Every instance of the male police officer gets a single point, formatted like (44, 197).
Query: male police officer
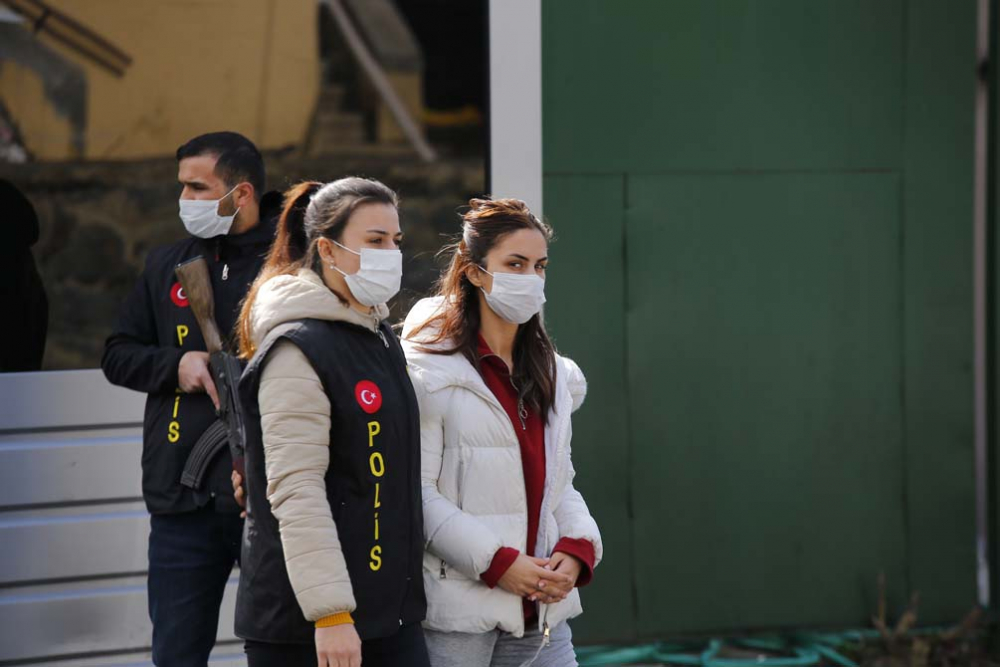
(157, 348)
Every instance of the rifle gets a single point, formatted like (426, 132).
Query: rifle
(226, 371)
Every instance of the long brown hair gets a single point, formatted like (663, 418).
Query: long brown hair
(455, 328)
(312, 211)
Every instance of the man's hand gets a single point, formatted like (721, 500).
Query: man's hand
(527, 576)
(338, 646)
(561, 563)
(194, 377)
(239, 494)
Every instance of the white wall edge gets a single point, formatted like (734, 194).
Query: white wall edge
(516, 100)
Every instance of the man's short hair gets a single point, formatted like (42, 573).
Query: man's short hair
(237, 159)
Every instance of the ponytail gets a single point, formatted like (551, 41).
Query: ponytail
(291, 242)
(289, 249)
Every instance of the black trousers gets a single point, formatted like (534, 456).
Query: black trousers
(406, 648)
(191, 557)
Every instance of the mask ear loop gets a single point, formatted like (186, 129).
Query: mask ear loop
(238, 208)
(483, 287)
(348, 249)
(334, 267)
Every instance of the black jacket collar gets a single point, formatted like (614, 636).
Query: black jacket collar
(261, 235)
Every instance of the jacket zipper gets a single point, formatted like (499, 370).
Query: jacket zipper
(378, 330)
(409, 485)
(522, 412)
(218, 257)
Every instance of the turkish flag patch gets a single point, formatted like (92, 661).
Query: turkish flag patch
(369, 396)
(178, 296)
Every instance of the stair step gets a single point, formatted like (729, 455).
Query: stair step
(329, 143)
(363, 151)
(340, 128)
(340, 121)
(331, 96)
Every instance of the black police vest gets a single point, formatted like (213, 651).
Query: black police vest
(372, 483)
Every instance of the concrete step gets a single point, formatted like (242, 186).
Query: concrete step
(339, 123)
(361, 152)
(331, 96)
(333, 132)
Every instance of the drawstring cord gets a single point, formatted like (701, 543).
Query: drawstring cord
(546, 638)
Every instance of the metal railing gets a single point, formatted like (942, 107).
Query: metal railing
(43, 18)
(376, 75)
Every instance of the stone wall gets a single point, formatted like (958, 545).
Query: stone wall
(99, 220)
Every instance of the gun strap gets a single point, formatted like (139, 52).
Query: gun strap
(212, 441)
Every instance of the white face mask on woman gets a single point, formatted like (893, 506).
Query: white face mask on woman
(515, 297)
(379, 277)
(201, 217)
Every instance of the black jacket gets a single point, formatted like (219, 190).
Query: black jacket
(155, 329)
(21, 291)
(372, 485)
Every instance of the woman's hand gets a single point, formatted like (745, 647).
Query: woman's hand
(527, 576)
(557, 591)
(338, 646)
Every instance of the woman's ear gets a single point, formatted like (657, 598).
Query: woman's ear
(325, 249)
(474, 275)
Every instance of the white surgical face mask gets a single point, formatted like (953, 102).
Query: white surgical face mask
(515, 297)
(201, 217)
(379, 277)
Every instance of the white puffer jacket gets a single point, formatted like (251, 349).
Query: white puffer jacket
(473, 488)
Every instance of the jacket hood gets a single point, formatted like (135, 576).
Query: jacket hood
(265, 230)
(440, 370)
(303, 295)
(422, 311)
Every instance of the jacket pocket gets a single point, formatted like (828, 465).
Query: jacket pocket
(460, 477)
(438, 570)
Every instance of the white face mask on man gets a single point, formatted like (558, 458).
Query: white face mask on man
(201, 217)
(379, 277)
(515, 297)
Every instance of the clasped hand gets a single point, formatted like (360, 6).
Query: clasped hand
(546, 580)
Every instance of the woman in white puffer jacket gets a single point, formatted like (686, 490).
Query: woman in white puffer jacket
(508, 537)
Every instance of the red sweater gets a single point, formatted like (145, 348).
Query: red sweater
(531, 438)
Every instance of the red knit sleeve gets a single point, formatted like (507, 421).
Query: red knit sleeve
(502, 560)
(583, 550)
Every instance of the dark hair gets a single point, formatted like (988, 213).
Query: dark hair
(486, 223)
(312, 211)
(237, 159)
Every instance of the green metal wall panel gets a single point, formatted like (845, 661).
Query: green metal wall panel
(764, 356)
(587, 271)
(938, 192)
(785, 189)
(635, 85)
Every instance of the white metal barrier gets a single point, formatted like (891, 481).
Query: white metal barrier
(73, 527)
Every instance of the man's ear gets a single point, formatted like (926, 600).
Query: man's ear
(244, 195)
